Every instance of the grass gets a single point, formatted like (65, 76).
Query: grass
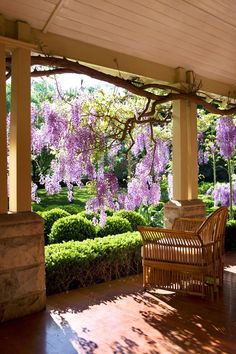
(80, 198)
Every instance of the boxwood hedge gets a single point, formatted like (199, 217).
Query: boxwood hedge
(133, 217)
(89, 215)
(77, 264)
(114, 225)
(72, 227)
(49, 218)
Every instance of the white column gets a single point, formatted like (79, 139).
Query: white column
(20, 142)
(185, 202)
(3, 133)
(185, 164)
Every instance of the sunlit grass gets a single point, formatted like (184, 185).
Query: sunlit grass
(80, 198)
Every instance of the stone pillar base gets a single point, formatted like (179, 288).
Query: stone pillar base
(183, 208)
(22, 269)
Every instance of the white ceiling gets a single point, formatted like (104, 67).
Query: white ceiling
(198, 35)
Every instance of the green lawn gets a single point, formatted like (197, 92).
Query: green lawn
(48, 201)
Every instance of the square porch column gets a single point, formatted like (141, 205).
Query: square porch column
(22, 266)
(185, 202)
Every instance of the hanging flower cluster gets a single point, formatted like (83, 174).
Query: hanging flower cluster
(82, 148)
(221, 194)
(226, 136)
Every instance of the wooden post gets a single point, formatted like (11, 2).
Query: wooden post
(185, 201)
(3, 133)
(185, 164)
(20, 142)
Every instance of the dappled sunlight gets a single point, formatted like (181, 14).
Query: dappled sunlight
(119, 317)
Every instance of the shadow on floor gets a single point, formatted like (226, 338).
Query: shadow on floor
(40, 334)
(117, 317)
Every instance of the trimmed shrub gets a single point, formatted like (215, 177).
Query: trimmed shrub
(72, 209)
(39, 213)
(54, 206)
(133, 217)
(114, 225)
(230, 235)
(109, 212)
(72, 227)
(49, 218)
(71, 265)
(89, 215)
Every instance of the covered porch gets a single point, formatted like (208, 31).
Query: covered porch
(118, 317)
(114, 317)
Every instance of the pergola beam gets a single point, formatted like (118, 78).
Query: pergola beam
(108, 60)
(114, 61)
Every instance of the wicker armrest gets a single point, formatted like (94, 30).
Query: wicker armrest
(187, 224)
(169, 237)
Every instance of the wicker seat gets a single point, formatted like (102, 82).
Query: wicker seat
(187, 258)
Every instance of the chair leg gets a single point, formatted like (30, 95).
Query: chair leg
(144, 277)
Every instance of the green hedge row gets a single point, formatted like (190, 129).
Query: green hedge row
(133, 217)
(50, 217)
(77, 264)
(114, 225)
(71, 227)
(60, 226)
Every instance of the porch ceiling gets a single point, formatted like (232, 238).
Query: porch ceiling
(197, 35)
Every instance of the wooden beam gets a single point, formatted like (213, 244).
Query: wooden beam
(52, 15)
(105, 59)
(15, 43)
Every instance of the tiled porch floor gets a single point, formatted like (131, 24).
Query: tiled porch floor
(117, 317)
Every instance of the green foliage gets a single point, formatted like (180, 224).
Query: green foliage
(133, 217)
(72, 227)
(42, 91)
(234, 212)
(114, 225)
(79, 264)
(81, 195)
(153, 215)
(203, 187)
(230, 235)
(109, 212)
(211, 209)
(89, 215)
(207, 199)
(164, 190)
(49, 218)
(72, 209)
(36, 207)
(41, 162)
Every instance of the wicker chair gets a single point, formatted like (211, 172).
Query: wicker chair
(187, 258)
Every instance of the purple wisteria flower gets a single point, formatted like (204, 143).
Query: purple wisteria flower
(170, 185)
(203, 157)
(34, 195)
(221, 194)
(226, 136)
(144, 187)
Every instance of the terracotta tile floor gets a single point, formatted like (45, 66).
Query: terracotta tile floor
(117, 317)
